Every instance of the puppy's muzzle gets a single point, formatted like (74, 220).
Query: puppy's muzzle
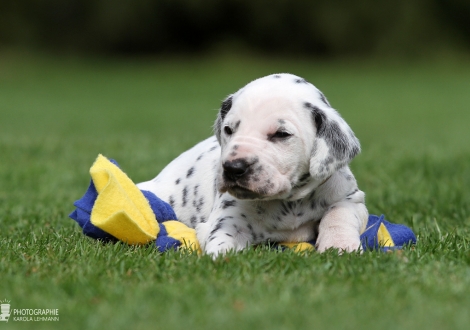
(236, 169)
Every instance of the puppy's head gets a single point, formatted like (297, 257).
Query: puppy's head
(280, 139)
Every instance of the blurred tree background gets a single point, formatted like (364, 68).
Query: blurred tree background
(322, 28)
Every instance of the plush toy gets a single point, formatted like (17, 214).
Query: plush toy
(113, 209)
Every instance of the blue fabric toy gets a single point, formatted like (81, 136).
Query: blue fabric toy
(113, 209)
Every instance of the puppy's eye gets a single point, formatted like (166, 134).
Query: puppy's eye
(281, 135)
(228, 130)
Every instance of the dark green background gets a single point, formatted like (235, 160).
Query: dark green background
(324, 28)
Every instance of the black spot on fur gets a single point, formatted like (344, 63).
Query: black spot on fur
(225, 107)
(227, 203)
(291, 205)
(233, 154)
(319, 118)
(198, 204)
(178, 181)
(325, 164)
(304, 177)
(172, 201)
(237, 229)
(190, 172)
(185, 196)
(235, 147)
(299, 185)
(193, 220)
(213, 148)
(338, 140)
(276, 76)
(200, 156)
(242, 215)
(217, 227)
(300, 81)
(286, 208)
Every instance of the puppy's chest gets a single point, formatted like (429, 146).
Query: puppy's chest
(289, 215)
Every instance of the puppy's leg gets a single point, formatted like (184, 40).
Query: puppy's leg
(341, 227)
(225, 230)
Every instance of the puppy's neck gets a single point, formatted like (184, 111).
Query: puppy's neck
(298, 193)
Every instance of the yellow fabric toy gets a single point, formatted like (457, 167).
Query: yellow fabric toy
(113, 208)
(120, 208)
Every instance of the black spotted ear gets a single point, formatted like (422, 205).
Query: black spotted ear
(335, 144)
(224, 109)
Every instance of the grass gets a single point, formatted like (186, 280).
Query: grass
(57, 114)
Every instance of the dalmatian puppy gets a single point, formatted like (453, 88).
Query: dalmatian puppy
(276, 170)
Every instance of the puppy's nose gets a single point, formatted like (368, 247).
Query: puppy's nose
(235, 169)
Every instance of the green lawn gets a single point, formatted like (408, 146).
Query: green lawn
(57, 114)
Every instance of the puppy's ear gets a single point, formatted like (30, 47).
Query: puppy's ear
(224, 109)
(335, 144)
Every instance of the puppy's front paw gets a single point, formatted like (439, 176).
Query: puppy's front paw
(341, 242)
(220, 249)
